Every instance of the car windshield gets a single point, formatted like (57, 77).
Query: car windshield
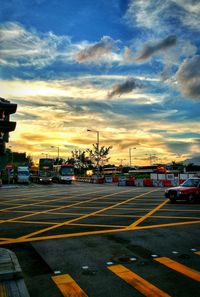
(23, 173)
(192, 182)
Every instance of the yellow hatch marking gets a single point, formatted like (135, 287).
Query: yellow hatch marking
(140, 284)
(198, 252)
(194, 274)
(84, 216)
(57, 208)
(67, 286)
(87, 233)
(133, 225)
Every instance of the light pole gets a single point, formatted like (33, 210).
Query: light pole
(130, 157)
(121, 161)
(151, 157)
(58, 150)
(89, 130)
(11, 154)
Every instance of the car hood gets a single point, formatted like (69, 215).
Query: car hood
(182, 188)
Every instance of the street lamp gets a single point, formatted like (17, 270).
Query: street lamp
(151, 157)
(58, 150)
(121, 160)
(89, 130)
(130, 157)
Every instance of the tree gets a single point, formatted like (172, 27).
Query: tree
(99, 155)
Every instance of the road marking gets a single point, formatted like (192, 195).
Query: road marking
(58, 208)
(87, 233)
(166, 225)
(140, 284)
(133, 225)
(84, 216)
(68, 286)
(198, 252)
(194, 274)
(44, 201)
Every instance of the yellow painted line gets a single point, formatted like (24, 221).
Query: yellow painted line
(97, 225)
(67, 286)
(3, 290)
(166, 225)
(132, 226)
(140, 284)
(35, 222)
(60, 207)
(198, 253)
(89, 233)
(44, 201)
(194, 274)
(84, 216)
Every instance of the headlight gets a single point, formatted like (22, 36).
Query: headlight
(166, 191)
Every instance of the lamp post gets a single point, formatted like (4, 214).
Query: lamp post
(121, 161)
(151, 157)
(89, 130)
(130, 157)
(11, 154)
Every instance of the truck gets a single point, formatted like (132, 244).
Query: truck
(23, 174)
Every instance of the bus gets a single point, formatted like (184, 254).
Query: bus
(42, 173)
(63, 173)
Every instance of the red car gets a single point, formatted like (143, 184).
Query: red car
(189, 191)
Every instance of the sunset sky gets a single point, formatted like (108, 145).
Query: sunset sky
(129, 69)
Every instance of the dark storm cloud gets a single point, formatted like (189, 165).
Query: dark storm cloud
(123, 88)
(149, 50)
(94, 52)
(188, 77)
(179, 146)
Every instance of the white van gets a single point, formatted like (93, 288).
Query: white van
(23, 174)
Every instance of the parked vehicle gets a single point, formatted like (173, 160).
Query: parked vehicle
(189, 190)
(23, 174)
(43, 173)
(63, 173)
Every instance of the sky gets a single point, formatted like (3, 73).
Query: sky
(129, 69)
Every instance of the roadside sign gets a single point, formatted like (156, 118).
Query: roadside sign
(9, 166)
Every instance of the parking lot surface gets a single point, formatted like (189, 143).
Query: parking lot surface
(101, 240)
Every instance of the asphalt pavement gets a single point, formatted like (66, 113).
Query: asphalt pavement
(101, 240)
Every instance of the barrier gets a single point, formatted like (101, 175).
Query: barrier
(115, 179)
(148, 182)
(166, 183)
(130, 181)
(122, 181)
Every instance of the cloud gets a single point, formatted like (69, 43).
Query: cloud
(159, 15)
(163, 45)
(95, 52)
(24, 48)
(123, 88)
(188, 77)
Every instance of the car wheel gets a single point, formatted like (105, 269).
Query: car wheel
(191, 198)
